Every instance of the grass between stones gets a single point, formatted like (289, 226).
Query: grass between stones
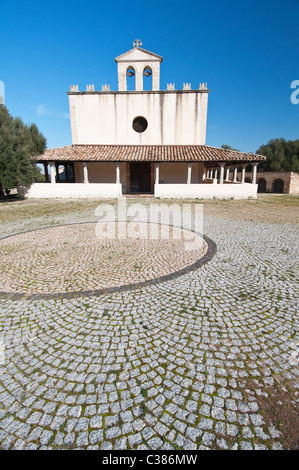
(279, 409)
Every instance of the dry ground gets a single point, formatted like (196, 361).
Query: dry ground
(270, 208)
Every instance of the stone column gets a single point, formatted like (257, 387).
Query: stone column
(235, 173)
(57, 172)
(254, 168)
(157, 173)
(227, 174)
(139, 80)
(117, 173)
(155, 81)
(52, 172)
(215, 175)
(85, 173)
(204, 173)
(243, 173)
(46, 172)
(221, 172)
(189, 173)
(122, 76)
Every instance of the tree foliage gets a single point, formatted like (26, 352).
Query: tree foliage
(282, 155)
(228, 147)
(19, 143)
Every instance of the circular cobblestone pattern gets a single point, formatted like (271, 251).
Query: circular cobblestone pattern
(189, 363)
(77, 258)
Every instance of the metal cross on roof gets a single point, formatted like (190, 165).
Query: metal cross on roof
(137, 43)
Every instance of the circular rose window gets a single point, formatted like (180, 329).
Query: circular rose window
(139, 124)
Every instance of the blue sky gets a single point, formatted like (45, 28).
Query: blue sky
(247, 52)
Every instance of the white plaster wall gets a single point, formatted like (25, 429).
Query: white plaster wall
(206, 191)
(101, 172)
(139, 67)
(74, 190)
(138, 59)
(78, 168)
(176, 173)
(174, 117)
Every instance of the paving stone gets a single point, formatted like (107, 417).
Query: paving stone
(96, 437)
(206, 424)
(134, 440)
(45, 437)
(208, 439)
(82, 439)
(246, 445)
(193, 433)
(165, 360)
(155, 443)
(96, 422)
(69, 439)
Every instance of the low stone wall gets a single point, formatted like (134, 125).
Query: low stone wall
(74, 190)
(206, 191)
(285, 182)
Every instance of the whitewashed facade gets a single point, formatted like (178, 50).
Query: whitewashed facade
(137, 140)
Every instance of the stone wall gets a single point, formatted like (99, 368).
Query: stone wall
(294, 183)
(285, 182)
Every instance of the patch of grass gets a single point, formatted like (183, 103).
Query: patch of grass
(279, 409)
(144, 410)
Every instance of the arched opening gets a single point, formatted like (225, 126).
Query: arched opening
(147, 78)
(247, 179)
(131, 78)
(278, 186)
(261, 185)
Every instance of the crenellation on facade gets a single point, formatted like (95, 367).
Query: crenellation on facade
(89, 88)
(74, 88)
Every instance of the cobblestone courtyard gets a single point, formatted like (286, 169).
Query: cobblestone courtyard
(205, 360)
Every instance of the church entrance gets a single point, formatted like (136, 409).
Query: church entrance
(140, 177)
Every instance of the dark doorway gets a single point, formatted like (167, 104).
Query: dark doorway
(261, 185)
(278, 186)
(140, 177)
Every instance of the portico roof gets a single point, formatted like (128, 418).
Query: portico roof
(147, 153)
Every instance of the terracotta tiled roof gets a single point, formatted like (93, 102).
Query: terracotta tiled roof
(149, 153)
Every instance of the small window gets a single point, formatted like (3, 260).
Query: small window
(139, 124)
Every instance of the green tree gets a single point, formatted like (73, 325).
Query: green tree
(228, 147)
(19, 143)
(282, 155)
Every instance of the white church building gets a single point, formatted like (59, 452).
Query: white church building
(142, 141)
